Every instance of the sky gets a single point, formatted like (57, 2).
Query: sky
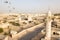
(34, 6)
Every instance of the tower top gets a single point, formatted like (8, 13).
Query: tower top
(49, 13)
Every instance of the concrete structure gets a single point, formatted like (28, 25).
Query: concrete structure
(48, 26)
(28, 31)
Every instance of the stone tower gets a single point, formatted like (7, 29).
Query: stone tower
(48, 26)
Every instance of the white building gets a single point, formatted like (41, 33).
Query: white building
(48, 26)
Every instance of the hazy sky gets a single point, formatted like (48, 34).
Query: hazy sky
(30, 5)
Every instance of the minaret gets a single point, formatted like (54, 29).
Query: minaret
(48, 26)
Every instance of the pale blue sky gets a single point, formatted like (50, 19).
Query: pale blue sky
(30, 5)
